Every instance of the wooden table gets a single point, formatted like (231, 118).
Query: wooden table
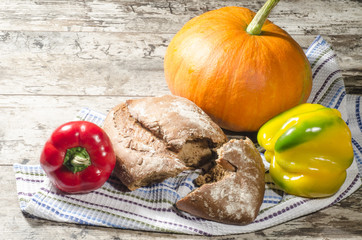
(59, 56)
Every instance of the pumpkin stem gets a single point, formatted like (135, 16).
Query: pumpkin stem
(254, 28)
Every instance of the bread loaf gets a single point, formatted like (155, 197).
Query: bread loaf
(233, 190)
(158, 137)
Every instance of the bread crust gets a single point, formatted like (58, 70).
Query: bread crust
(176, 120)
(158, 137)
(237, 197)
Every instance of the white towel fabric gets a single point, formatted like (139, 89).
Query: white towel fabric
(152, 208)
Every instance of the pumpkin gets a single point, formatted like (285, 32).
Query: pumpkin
(239, 67)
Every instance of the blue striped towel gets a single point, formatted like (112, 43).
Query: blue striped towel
(152, 208)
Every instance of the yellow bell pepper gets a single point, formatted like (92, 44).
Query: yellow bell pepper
(309, 148)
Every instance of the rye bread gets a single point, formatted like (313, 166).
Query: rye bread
(233, 190)
(155, 138)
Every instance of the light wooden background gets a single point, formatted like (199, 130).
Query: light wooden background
(59, 56)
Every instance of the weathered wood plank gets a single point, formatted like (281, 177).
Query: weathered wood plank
(336, 222)
(27, 122)
(168, 16)
(353, 80)
(84, 63)
(69, 63)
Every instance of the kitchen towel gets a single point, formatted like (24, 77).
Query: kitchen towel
(152, 208)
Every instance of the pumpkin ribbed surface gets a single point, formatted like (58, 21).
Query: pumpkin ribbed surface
(240, 80)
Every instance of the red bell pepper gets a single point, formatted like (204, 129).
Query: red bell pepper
(78, 157)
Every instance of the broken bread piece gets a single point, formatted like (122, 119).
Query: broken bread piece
(155, 138)
(233, 190)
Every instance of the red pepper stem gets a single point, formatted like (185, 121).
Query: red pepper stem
(77, 159)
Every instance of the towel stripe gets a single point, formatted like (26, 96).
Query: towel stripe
(102, 206)
(112, 191)
(324, 84)
(358, 114)
(314, 46)
(323, 63)
(329, 49)
(282, 211)
(336, 106)
(329, 90)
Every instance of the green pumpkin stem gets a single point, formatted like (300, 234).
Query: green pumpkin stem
(254, 28)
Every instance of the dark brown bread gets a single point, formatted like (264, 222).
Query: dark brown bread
(158, 137)
(235, 194)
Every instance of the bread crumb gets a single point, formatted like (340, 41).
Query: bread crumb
(216, 173)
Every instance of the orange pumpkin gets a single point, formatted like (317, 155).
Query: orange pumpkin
(240, 79)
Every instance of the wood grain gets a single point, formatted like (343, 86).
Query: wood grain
(71, 63)
(57, 56)
(168, 16)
